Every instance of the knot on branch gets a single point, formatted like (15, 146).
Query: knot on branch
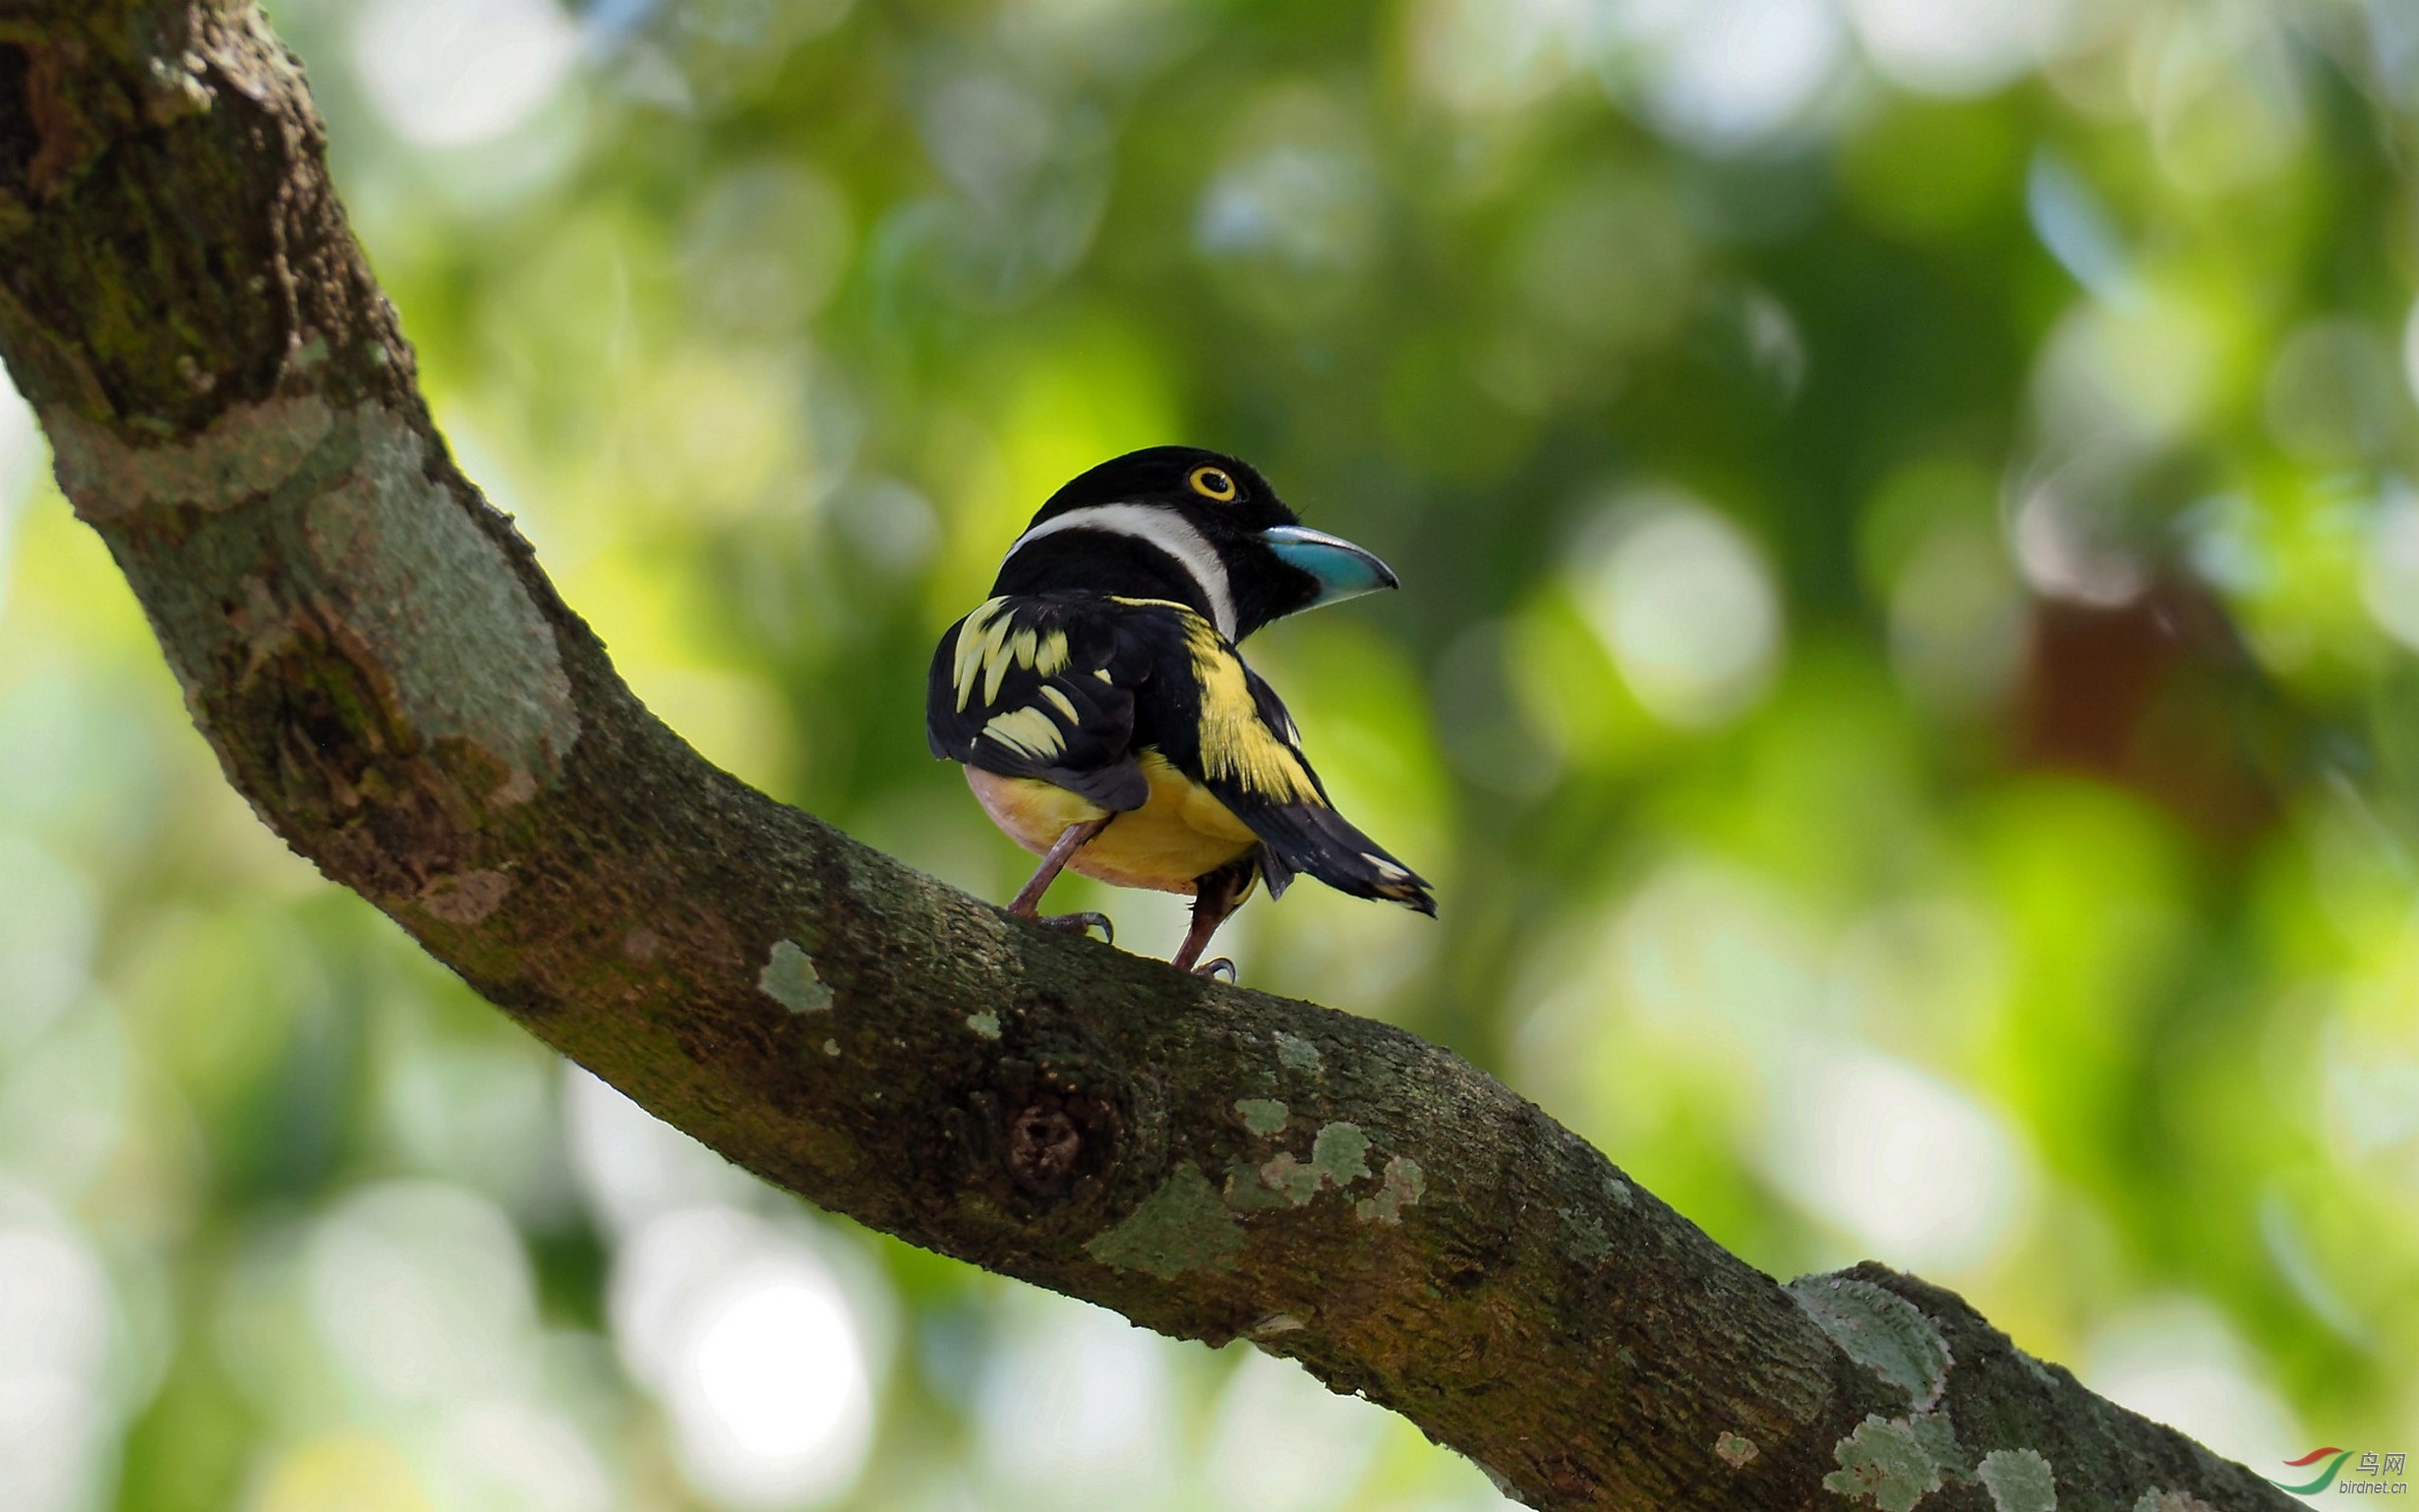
(1049, 1125)
(1046, 1146)
(1057, 1133)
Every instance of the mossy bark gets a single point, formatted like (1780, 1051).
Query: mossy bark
(389, 678)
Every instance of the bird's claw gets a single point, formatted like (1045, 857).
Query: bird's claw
(1084, 924)
(1222, 968)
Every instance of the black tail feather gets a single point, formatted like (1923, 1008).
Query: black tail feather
(1304, 838)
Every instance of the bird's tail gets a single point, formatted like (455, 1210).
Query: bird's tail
(1312, 838)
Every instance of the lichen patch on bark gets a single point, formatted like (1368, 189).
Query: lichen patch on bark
(1286, 1174)
(1338, 1157)
(288, 531)
(1884, 1463)
(1882, 1331)
(1298, 1054)
(248, 451)
(1402, 1185)
(1262, 1114)
(414, 568)
(1181, 1227)
(2019, 1480)
(1339, 1154)
(788, 979)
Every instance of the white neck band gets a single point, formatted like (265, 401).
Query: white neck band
(1161, 528)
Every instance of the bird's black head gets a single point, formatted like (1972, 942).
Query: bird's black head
(1194, 526)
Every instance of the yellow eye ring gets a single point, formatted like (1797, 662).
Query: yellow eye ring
(1212, 483)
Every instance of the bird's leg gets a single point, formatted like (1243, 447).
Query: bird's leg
(1214, 897)
(1027, 905)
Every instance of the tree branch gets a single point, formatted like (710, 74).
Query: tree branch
(387, 676)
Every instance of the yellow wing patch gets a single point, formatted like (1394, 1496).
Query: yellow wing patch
(1050, 656)
(1030, 730)
(974, 637)
(1235, 742)
(989, 646)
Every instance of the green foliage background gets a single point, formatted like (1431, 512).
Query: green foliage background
(1905, 684)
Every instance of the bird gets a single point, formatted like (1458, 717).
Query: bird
(1106, 721)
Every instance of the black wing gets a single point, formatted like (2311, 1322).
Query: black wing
(1040, 687)
(1226, 727)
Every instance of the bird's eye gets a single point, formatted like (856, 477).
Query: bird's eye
(1212, 483)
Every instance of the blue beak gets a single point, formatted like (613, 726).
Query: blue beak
(1343, 571)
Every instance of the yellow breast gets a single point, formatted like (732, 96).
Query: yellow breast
(1180, 832)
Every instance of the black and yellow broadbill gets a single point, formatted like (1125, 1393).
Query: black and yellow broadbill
(1107, 722)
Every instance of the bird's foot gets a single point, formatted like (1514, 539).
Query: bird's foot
(1222, 968)
(1082, 924)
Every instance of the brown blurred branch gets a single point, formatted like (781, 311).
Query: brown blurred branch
(387, 676)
